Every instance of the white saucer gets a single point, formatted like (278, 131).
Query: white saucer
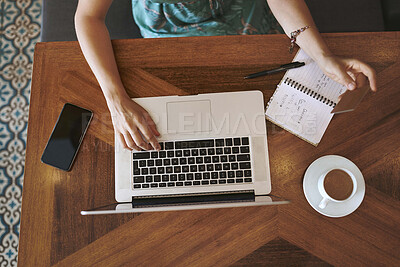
(310, 186)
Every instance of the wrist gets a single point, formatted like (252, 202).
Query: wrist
(325, 59)
(314, 45)
(115, 97)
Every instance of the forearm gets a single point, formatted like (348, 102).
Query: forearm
(293, 15)
(96, 46)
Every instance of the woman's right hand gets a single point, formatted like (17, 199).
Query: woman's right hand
(131, 123)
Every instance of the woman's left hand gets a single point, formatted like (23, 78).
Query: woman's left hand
(350, 72)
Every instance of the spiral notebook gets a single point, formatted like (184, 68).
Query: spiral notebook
(303, 101)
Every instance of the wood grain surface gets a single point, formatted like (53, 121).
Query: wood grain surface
(54, 233)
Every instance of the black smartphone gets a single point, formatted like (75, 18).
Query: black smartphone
(66, 137)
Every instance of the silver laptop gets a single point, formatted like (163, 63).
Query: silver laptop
(213, 154)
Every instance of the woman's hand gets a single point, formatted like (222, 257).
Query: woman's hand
(352, 73)
(293, 15)
(131, 123)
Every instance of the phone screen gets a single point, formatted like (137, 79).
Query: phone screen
(66, 137)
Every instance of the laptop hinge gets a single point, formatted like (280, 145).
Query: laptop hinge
(194, 198)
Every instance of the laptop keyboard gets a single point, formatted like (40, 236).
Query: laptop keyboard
(193, 163)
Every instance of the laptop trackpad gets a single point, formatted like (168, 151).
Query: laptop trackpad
(189, 116)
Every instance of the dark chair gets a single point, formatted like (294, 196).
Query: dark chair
(347, 15)
(391, 14)
(58, 20)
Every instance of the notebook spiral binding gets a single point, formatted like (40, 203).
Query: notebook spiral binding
(309, 92)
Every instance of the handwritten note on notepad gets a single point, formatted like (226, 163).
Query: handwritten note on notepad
(303, 101)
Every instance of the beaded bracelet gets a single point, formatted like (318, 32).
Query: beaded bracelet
(293, 36)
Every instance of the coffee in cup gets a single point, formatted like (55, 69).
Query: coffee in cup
(336, 185)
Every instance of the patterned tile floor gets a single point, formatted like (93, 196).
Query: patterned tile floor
(19, 31)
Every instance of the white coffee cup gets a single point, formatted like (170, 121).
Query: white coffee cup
(325, 197)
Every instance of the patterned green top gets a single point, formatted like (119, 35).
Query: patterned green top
(178, 18)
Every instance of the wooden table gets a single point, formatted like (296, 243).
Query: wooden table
(54, 232)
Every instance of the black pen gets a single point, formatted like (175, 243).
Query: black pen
(284, 67)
